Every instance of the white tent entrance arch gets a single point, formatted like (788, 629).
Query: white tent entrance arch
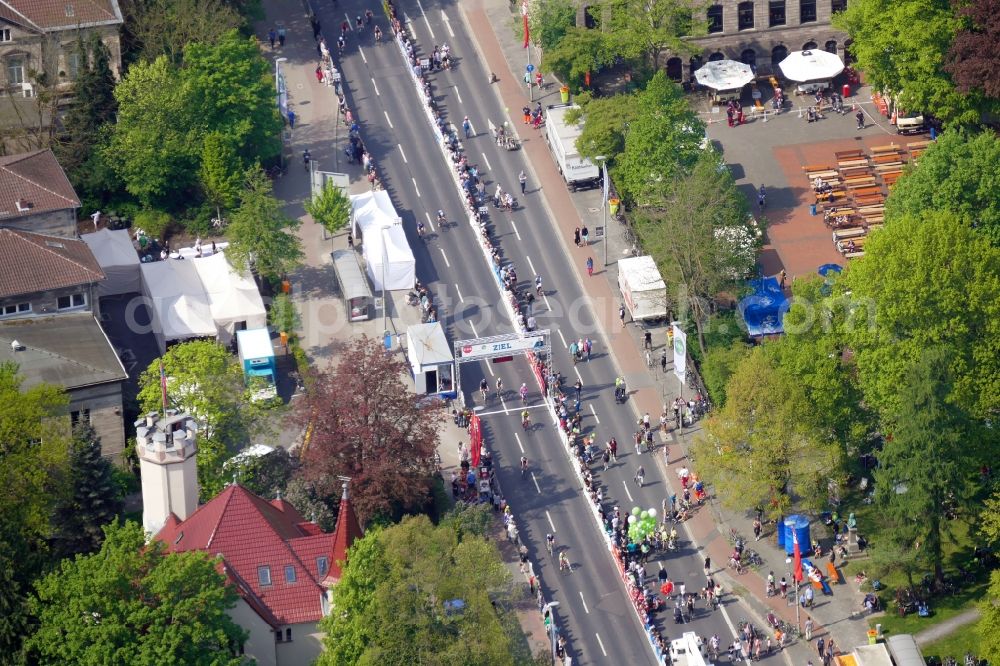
(536, 346)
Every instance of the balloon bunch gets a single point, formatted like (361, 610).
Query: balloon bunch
(641, 524)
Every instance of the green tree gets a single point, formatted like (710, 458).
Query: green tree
(901, 45)
(691, 232)
(718, 367)
(988, 626)
(549, 20)
(222, 172)
(265, 475)
(605, 122)
(663, 142)
(927, 468)
(260, 233)
(315, 498)
(763, 447)
(645, 30)
(578, 52)
(157, 28)
(283, 315)
(330, 208)
(93, 499)
(989, 519)
(393, 607)
(959, 173)
(926, 281)
(132, 603)
(206, 381)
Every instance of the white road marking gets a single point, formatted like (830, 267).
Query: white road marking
(577, 371)
(584, 602)
(375, 86)
(551, 524)
(537, 487)
(516, 232)
(487, 160)
(446, 262)
(473, 327)
(460, 299)
(362, 52)
(594, 412)
(409, 22)
(625, 483)
(561, 337)
(350, 24)
(429, 28)
(489, 366)
(502, 403)
(403, 153)
(660, 563)
(430, 222)
(447, 23)
(386, 113)
(546, 299)
(519, 445)
(415, 186)
(601, 644)
(530, 265)
(458, 94)
(501, 411)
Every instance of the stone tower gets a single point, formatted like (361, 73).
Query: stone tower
(168, 467)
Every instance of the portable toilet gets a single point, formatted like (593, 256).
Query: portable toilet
(799, 526)
(257, 358)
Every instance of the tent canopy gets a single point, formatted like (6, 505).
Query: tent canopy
(812, 65)
(390, 247)
(119, 260)
(724, 75)
(764, 310)
(427, 347)
(199, 298)
(372, 210)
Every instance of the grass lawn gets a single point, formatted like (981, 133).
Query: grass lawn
(956, 645)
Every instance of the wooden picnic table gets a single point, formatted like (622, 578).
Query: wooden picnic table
(886, 158)
(864, 191)
(916, 145)
(888, 168)
(863, 170)
(847, 164)
(850, 232)
(884, 149)
(848, 154)
(870, 199)
(859, 181)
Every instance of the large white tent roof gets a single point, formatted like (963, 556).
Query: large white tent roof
(724, 74)
(427, 346)
(117, 256)
(812, 65)
(372, 210)
(232, 297)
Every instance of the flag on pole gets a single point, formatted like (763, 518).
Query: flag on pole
(163, 385)
(526, 36)
(607, 183)
(797, 572)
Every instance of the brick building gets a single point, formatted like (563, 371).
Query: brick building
(36, 195)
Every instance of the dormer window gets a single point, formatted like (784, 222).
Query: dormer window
(264, 575)
(322, 566)
(70, 12)
(289, 573)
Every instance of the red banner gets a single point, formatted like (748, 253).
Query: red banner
(475, 439)
(526, 34)
(798, 557)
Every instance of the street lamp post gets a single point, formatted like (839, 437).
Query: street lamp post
(605, 188)
(552, 625)
(279, 88)
(798, 625)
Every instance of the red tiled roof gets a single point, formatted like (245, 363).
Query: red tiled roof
(38, 181)
(250, 532)
(30, 263)
(49, 14)
(348, 529)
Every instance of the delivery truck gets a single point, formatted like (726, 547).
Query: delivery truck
(578, 172)
(642, 288)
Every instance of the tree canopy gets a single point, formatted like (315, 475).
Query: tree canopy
(989, 625)
(260, 234)
(763, 448)
(605, 121)
(133, 604)
(330, 208)
(927, 281)
(959, 173)
(157, 28)
(974, 63)
(366, 424)
(396, 599)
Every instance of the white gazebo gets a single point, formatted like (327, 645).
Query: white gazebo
(432, 361)
(811, 66)
(724, 75)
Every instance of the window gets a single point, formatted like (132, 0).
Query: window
(322, 566)
(830, 46)
(744, 15)
(73, 64)
(5, 35)
(715, 18)
(749, 57)
(807, 11)
(809, 46)
(288, 634)
(277, 636)
(838, 5)
(715, 57)
(15, 70)
(264, 575)
(72, 301)
(78, 417)
(289, 573)
(778, 53)
(17, 308)
(776, 13)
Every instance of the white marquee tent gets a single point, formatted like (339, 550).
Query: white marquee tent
(200, 298)
(386, 250)
(119, 260)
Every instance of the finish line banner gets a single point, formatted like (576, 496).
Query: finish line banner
(680, 352)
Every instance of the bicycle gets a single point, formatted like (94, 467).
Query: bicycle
(524, 466)
(550, 544)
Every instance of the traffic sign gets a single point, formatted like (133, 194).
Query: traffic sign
(530, 67)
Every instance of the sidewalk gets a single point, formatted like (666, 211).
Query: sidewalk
(502, 51)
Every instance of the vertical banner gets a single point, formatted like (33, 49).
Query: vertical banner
(524, 14)
(475, 439)
(680, 352)
(607, 183)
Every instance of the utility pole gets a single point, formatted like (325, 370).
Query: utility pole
(604, 204)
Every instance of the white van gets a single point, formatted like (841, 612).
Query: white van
(689, 650)
(909, 123)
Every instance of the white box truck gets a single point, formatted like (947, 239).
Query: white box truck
(577, 171)
(689, 650)
(642, 288)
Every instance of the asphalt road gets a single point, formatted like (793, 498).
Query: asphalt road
(594, 612)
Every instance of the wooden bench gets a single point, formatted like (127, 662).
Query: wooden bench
(849, 154)
(916, 145)
(870, 199)
(888, 158)
(878, 150)
(865, 191)
(854, 255)
(847, 164)
(850, 232)
(831, 571)
(859, 181)
(825, 175)
(815, 167)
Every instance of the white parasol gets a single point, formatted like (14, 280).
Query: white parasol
(811, 65)
(724, 75)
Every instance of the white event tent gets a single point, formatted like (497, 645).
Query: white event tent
(118, 259)
(387, 253)
(200, 298)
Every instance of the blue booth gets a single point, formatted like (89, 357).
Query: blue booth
(257, 358)
(799, 526)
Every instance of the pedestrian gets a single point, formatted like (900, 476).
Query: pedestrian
(783, 584)
(467, 127)
(527, 115)
(271, 36)
(647, 340)
(621, 314)
(538, 79)
(860, 115)
(590, 266)
(350, 240)
(281, 35)
(809, 628)
(820, 644)
(802, 599)
(585, 235)
(576, 236)
(319, 73)
(781, 278)
(314, 22)
(291, 119)
(588, 345)
(756, 529)
(663, 361)
(809, 597)
(708, 565)
(523, 180)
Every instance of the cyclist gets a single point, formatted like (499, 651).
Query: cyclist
(368, 16)
(441, 218)
(484, 388)
(640, 474)
(420, 228)
(524, 394)
(538, 285)
(761, 197)
(378, 34)
(524, 465)
(340, 45)
(525, 420)
(550, 542)
(499, 387)
(563, 562)
(306, 158)
(359, 23)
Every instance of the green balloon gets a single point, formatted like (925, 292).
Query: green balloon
(636, 511)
